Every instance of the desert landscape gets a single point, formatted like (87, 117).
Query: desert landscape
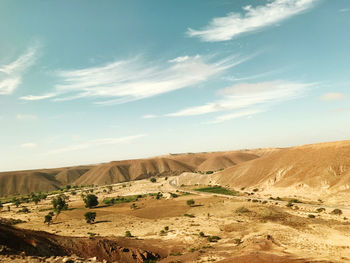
(183, 131)
(262, 205)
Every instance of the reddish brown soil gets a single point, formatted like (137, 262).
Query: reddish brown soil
(39, 243)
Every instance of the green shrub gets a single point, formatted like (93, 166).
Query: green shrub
(336, 212)
(90, 217)
(153, 180)
(311, 216)
(190, 202)
(213, 238)
(128, 234)
(320, 210)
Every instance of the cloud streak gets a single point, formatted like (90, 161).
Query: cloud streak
(96, 143)
(12, 73)
(244, 96)
(130, 80)
(332, 96)
(254, 18)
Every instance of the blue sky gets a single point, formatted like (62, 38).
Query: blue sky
(93, 81)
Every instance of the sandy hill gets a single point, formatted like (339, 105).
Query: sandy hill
(323, 167)
(118, 171)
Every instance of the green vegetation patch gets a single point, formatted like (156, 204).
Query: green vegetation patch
(121, 199)
(217, 190)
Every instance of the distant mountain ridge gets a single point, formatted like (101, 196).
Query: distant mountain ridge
(24, 182)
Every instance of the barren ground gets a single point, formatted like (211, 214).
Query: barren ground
(249, 231)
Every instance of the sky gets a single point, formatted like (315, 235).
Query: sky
(86, 81)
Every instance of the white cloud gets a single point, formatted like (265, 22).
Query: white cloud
(134, 79)
(11, 74)
(180, 59)
(26, 117)
(28, 145)
(245, 95)
(255, 18)
(332, 96)
(235, 115)
(149, 116)
(96, 143)
(40, 97)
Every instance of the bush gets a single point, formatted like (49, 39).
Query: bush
(255, 189)
(1, 206)
(24, 209)
(189, 215)
(90, 217)
(90, 200)
(320, 210)
(153, 180)
(311, 216)
(336, 212)
(48, 218)
(213, 238)
(166, 228)
(242, 210)
(173, 195)
(201, 234)
(237, 241)
(190, 202)
(166, 178)
(128, 234)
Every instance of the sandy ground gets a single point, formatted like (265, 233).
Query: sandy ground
(269, 229)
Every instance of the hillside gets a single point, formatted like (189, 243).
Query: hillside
(24, 182)
(314, 169)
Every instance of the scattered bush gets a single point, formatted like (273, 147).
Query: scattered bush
(128, 234)
(153, 180)
(217, 190)
(237, 241)
(242, 210)
(336, 212)
(213, 238)
(190, 202)
(189, 215)
(48, 218)
(90, 217)
(24, 209)
(320, 210)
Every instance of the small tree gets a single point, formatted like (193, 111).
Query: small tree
(59, 204)
(90, 200)
(190, 202)
(90, 217)
(48, 218)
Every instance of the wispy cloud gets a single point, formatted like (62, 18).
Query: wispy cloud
(26, 117)
(135, 79)
(332, 96)
(245, 95)
(254, 18)
(11, 74)
(39, 97)
(96, 143)
(235, 115)
(28, 145)
(344, 10)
